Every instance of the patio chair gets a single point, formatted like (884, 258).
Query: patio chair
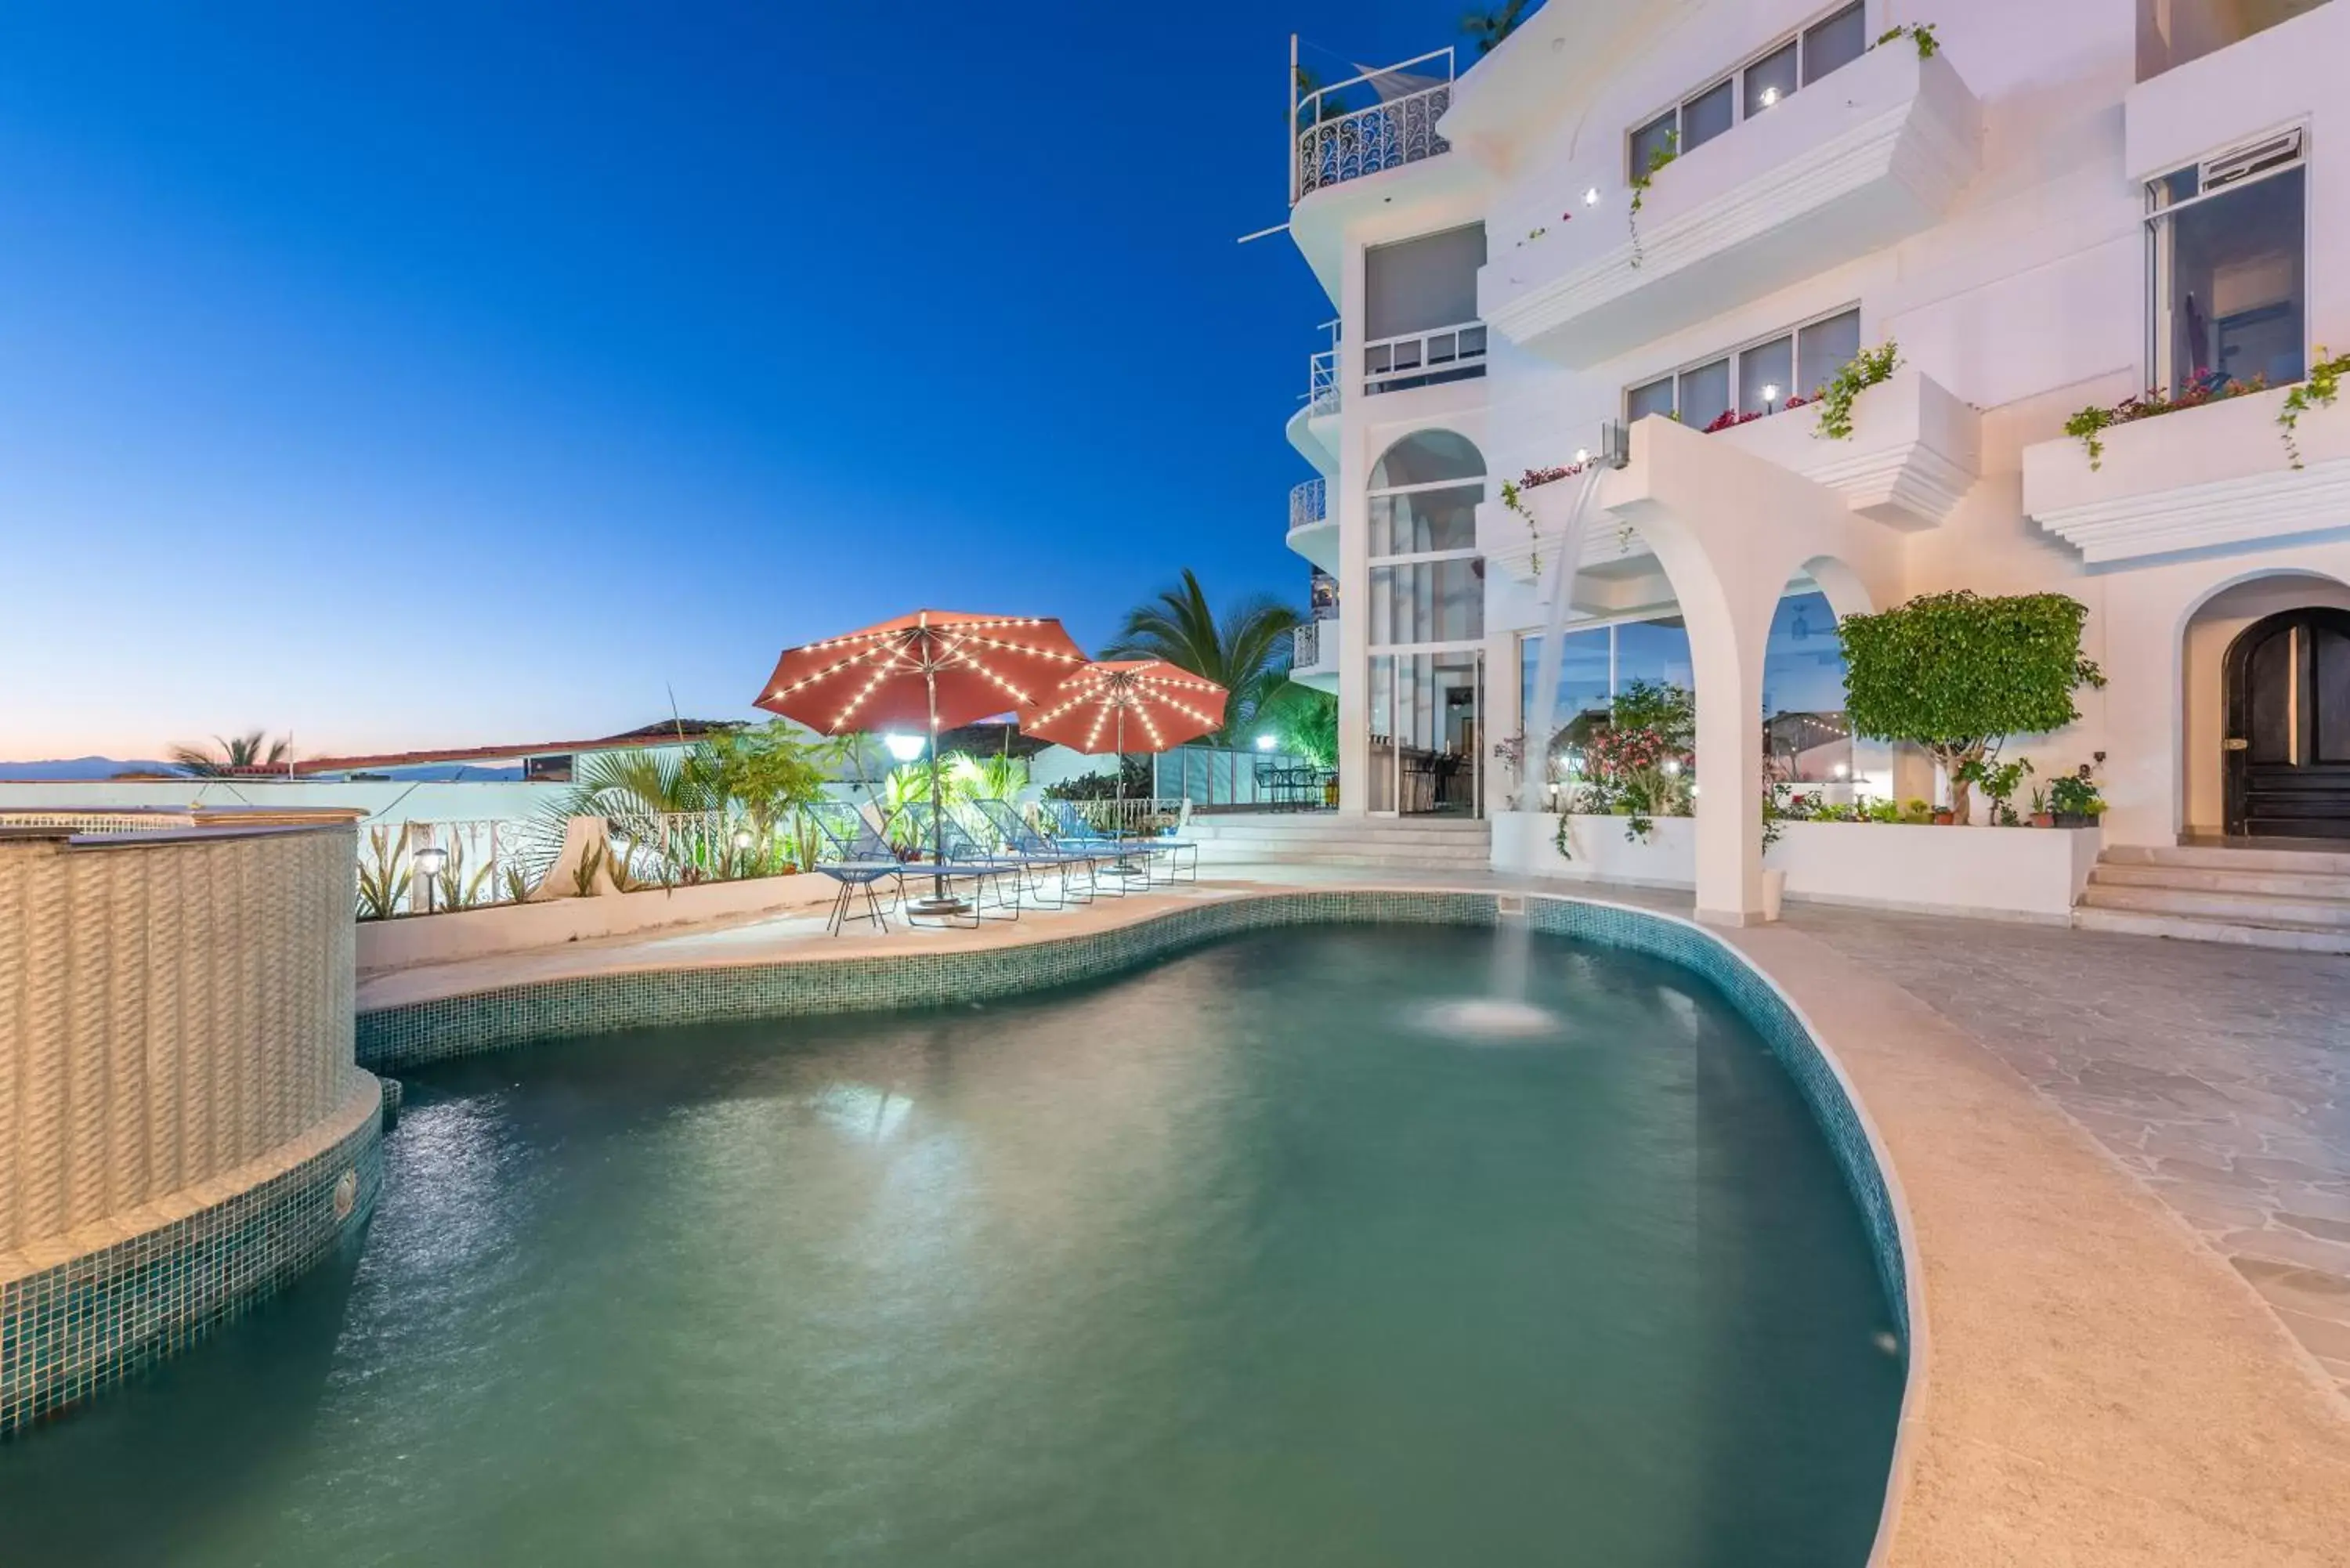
(965, 861)
(1018, 840)
(858, 858)
(1132, 853)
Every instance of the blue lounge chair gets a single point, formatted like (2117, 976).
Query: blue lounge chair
(1016, 839)
(965, 861)
(859, 859)
(1143, 853)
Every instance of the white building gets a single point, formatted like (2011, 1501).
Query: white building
(2061, 205)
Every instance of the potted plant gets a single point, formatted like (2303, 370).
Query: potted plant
(1999, 786)
(2074, 800)
(2041, 816)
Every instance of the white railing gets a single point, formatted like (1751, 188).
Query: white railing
(1322, 383)
(1309, 503)
(1446, 353)
(1136, 815)
(484, 860)
(1401, 129)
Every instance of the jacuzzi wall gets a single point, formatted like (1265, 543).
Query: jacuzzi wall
(182, 1122)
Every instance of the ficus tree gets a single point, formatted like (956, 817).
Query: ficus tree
(1957, 673)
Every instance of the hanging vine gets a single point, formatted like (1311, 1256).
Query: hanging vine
(1658, 159)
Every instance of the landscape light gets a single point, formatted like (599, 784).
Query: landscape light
(905, 748)
(432, 859)
(1770, 394)
(1843, 769)
(1265, 742)
(1582, 454)
(742, 838)
(1672, 768)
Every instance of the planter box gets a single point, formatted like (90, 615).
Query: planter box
(2214, 475)
(2004, 873)
(1522, 843)
(1915, 451)
(414, 940)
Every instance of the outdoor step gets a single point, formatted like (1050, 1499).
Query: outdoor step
(2311, 862)
(2297, 938)
(2220, 879)
(2250, 909)
(1339, 856)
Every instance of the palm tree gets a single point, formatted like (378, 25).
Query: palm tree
(252, 749)
(1247, 652)
(1489, 27)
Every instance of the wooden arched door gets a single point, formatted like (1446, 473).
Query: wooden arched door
(2287, 763)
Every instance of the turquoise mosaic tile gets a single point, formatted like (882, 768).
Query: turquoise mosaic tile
(394, 1039)
(89, 1323)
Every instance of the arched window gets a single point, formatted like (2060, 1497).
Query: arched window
(1427, 624)
(1427, 457)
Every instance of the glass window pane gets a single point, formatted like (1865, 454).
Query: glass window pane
(1425, 520)
(1582, 689)
(1429, 601)
(1653, 650)
(1836, 42)
(1705, 394)
(1649, 141)
(1655, 397)
(1766, 374)
(1770, 78)
(1804, 727)
(2230, 296)
(1705, 116)
(1425, 457)
(1822, 348)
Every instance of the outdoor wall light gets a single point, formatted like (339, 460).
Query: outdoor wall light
(1591, 197)
(1770, 97)
(905, 748)
(429, 860)
(1672, 768)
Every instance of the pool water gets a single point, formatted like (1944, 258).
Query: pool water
(1239, 1258)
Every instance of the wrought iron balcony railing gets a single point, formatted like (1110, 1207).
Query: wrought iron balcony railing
(1335, 145)
(1309, 503)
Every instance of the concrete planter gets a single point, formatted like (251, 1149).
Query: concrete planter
(2004, 873)
(513, 927)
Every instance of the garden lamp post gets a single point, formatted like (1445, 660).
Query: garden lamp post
(430, 861)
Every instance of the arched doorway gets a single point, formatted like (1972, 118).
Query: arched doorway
(2286, 762)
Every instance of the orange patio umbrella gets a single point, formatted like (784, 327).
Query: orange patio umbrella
(929, 670)
(1125, 705)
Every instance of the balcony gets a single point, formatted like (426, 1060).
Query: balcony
(1313, 429)
(2177, 34)
(1335, 144)
(1454, 353)
(1313, 654)
(1521, 550)
(1313, 531)
(1914, 452)
(2216, 475)
(1822, 179)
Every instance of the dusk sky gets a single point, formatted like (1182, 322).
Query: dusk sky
(447, 374)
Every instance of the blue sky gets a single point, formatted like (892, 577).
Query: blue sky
(454, 373)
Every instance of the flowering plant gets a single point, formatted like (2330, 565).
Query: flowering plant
(1514, 497)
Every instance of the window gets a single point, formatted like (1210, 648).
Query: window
(1765, 375)
(2227, 270)
(1419, 310)
(1796, 60)
(1426, 580)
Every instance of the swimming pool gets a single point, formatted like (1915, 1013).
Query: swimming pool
(1240, 1258)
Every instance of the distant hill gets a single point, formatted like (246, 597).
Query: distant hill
(77, 768)
(81, 768)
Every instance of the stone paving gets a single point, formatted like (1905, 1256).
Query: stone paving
(2220, 1075)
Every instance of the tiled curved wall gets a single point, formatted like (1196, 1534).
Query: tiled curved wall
(178, 1099)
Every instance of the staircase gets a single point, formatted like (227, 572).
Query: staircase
(1317, 838)
(2295, 899)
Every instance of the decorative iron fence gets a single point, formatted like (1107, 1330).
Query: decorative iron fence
(1401, 129)
(1309, 503)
